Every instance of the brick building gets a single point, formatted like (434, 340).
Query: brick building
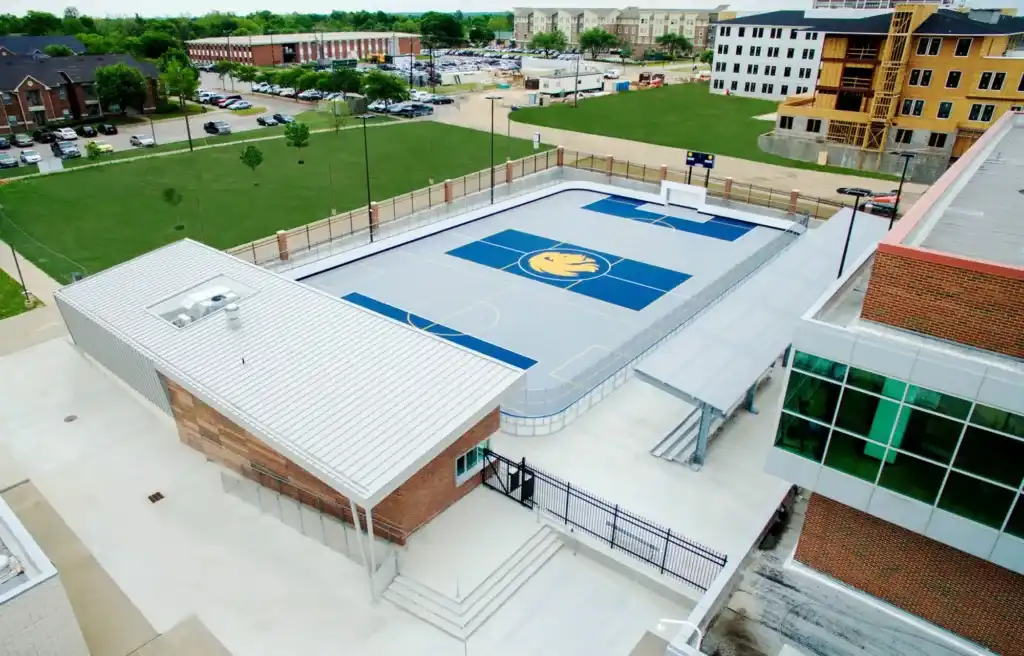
(35, 92)
(344, 410)
(274, 49)
(33, 46)
(904, 408)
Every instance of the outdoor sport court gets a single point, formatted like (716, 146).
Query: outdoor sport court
(565, 287)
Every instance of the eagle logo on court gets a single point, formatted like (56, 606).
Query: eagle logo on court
(564, 264)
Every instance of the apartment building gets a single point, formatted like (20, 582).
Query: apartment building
(920, 78)
(877, 4)
(33, 46)
(35, 92)
(771, 55)
(636, 26)
(903, 413)
(274, 49)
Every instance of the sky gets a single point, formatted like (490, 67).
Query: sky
(198, 7)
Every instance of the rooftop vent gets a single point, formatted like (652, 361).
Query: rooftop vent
(201, 301)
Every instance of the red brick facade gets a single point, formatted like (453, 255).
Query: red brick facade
(984, 310)
(34, 105)
(952, 589)
(425, 495)
(296, 49)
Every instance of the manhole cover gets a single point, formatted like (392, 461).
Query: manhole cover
(70, 418)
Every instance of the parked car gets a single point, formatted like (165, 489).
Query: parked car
(284, 118)
(377, 106)
(266, 121)
(4, 143)
(8, 161)
(287, 92)
(224, 102)
(442, 100)
(217, 127)
(259, 87)
(44, 136)
(414, 110)
(213, 98)
(240, 104)
(612, 74)
(65, 149)
(887, 210)
(103, 146)
(86, 131)
(22, 140)
(106, 128)
(395, 108)
(67, 134)
(310, 94)
(142, 140)
(31, 156)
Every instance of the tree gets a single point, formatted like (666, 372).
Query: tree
(378, 85)
(499, 24)
(707, 56)
(481, 34)
(121, 85)
(173, 198)
(183, 81)
(289, 77)
(153, 43)
(58, 50)
(597, 41)
(674, 43)
(553, 40)
(444, 28)
(252, 157)
(339, 112)
(41, 23)
(308, 80)
(223, 68)
(297, 136)
(92, 151)
(246, 73)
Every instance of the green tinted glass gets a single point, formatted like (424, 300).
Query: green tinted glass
(1000, 420)
(819, 366)
(868, 416)
(938, 402)
(851, 455)
(991, 455)
(876, 383)
(976, 500)
(926, 434)
(912, 477)
(811, 397)
(802, 437)
(1016, 524)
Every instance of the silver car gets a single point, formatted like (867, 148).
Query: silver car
(30, 156)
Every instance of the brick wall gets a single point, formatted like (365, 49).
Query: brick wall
(984, 310)
(426, 494)
(952, 589)
(408, 45)
(267, 55)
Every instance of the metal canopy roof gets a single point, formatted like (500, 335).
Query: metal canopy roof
(361, 401)
(722, 353)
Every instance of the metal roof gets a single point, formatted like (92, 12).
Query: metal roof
(721, 354)
(361, 401)
(982, 219)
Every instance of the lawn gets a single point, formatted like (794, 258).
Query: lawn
(679, 115)
(100, 216)
(12, 300)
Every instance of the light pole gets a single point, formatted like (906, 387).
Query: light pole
(899, 192)
(857, 193)
(492, 99)
(576, 85)
(17, 265)
(366, 159)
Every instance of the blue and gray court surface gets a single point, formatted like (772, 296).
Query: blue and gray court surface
(551, 286)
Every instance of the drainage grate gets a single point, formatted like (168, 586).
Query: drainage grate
(156, 496)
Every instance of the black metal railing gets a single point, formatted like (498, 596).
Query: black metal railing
(670, 553)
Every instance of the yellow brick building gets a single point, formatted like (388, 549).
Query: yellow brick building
(921, 79)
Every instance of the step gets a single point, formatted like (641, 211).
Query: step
(461, 618)
(677, 435)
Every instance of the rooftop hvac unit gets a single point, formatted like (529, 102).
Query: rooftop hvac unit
(182, 320)
(208, 300)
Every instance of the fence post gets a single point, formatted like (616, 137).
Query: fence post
(508, 171)
(793, 197)
(374, 216)
(610, 167)
(560, 156)
(728, 189)
(568, 495)
(664, 554)
(282, 245)
(615, 520)
(252, 245)
(664, 172)
(448, 191)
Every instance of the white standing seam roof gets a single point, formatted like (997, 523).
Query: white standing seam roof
(722, 353)
(361, 401)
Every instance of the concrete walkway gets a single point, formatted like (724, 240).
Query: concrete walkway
(39, 284)
(474, 111)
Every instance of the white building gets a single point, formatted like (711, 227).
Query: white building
(771, 55)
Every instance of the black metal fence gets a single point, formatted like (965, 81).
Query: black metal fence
(670, 553)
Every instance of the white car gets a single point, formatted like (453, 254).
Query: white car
(30, 156)
(240, 104)
(259, 87)
(142, 140)
(612, 74)
(287, 92)
(377, 106)
(65, 134)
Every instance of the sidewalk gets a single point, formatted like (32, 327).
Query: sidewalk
(38, 283)
(474, 111)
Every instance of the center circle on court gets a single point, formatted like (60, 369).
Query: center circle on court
(562, 264)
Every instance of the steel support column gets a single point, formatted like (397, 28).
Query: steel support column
(359, 538)
(785, 355)
(704, 432)
(749, 401)
(370, 544)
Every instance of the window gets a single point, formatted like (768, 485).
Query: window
(814, 125)
(723, 49)
(996, 457)
(998, 420)
(963, 47)
(912, 107)
(12, 120)
(945, 109)
(801, 437)
(792, 51)
(786, 71)
(769, 70)
(805, 73)
(786, 122)
(768, 88)
(470, 462)
(1020, 85)
(785, 91)
(750, 69)
(976, 500)
(792, 34)
(981, 113)
(997, 81)
(735, 68)
(920, 77)
(953, 80)
(929, 46)
(750, 87)
(758, 32)
(719, 84)
(773, 52)
(732, 87)
(7, 98)
(743, 31)
(724, 31)
(985, 80)
(776, 33)
(853, 456)
(903, 136)
(719, 67)
(937, 140)
(755, 51)
(810, 36)
(62, 93)
(807, 54)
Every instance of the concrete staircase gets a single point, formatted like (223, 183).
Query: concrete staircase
(460, 618)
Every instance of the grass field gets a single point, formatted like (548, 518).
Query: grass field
(680, 116)
(12, 301)
(91, 219)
